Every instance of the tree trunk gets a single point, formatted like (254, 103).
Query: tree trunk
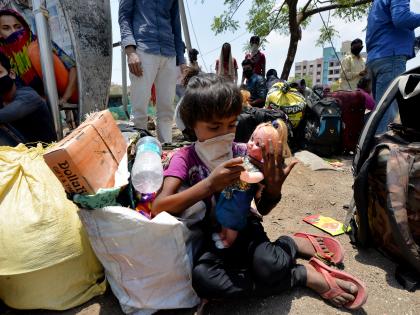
(295, 36)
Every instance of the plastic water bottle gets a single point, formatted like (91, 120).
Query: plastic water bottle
(147, 172)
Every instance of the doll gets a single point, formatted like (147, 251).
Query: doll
(234, 203)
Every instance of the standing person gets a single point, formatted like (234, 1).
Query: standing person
(252, 265)
(151, 36)
(229, 68)
(354, 66)
(390, 43)
(255, 84)
(256, 56)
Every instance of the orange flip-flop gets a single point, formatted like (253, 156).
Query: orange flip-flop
(336, 251)
(331, 274)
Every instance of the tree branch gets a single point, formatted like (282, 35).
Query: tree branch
(333, 7)
(306, 6)
(233, 13)
(277, 16)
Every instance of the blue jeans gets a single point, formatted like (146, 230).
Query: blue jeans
(383, 71)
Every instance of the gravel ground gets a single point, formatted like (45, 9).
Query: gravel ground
(305, 192)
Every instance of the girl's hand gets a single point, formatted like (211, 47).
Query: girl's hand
(225, 174)
(274, 169)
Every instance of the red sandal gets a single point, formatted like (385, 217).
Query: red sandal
(330, 275)
(335, 253)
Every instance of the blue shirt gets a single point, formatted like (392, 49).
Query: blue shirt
(390, 30)
(153, 26)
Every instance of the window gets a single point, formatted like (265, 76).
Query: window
(331, 72)
(297, 68)
(332, 64)
(318, 80)
(318, 65)
(304, 67)
(318, 73)
(336, 79)
(311, 66)
(336, 71)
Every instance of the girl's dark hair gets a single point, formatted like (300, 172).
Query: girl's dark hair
(208, 97)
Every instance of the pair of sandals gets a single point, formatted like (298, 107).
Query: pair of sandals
(333, 256)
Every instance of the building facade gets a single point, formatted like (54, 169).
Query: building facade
(325, 70)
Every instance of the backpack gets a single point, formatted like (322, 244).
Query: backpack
(322, 129)
(385, 210)
(250, 118)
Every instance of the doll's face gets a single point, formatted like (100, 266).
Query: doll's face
(260, 136)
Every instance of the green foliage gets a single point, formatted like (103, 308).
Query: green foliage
(327, 34)
(266, 16)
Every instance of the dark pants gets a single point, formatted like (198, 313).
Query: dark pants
(251, 266)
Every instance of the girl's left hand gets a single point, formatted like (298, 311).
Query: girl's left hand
(274, 169)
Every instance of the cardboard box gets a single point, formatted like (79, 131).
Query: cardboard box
(87, 159)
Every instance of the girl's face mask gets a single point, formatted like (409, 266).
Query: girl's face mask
(215, 151)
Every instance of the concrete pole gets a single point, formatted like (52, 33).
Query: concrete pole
(124, 80)
(185, 25)
(47, 63)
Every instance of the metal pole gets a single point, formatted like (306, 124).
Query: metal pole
(48, 76)
(124, 80)
(185, 25)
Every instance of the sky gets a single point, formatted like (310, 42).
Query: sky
(200, 16)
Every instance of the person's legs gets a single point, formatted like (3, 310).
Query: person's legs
(252, 265)
(385, 70)
(274, 266)
(213, 279)
(165, 95)
(141, 87)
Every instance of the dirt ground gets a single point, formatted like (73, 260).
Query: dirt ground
(305, 192)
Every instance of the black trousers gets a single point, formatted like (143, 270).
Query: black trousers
(253, 265)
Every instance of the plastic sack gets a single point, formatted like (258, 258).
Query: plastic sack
(289, 100)
(45, 257)
(148, 263)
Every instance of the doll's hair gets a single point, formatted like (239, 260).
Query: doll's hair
(280, 126)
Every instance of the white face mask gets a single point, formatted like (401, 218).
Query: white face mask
(215, 151)
(254, 49)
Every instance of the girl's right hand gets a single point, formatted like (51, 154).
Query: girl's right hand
(225, 174)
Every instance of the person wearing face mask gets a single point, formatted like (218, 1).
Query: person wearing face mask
(353, 67)
(23, 109)
(229, 68)
(256, 56)
(16, 42)
(252, 264)
(255, 84)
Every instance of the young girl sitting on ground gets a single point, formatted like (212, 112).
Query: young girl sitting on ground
(252, 265)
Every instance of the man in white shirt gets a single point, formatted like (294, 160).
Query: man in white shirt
(353, 67)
